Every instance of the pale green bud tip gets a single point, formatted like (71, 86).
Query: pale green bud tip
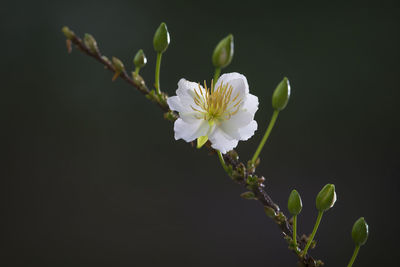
(223, 52)
(67, 32)
(90, 42)
(281, 95)
(140, 59)
(294, 204)
(326, 198)
(161, 38)
(360, 232)
(118, 65)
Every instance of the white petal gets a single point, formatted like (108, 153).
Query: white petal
(248, 131)
(190, 131)
(251, 104)
(186, 88)
(237, 80)
(174, 103)
(220, 141)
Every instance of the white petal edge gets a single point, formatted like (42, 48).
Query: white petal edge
(221, 142)
(190, 131)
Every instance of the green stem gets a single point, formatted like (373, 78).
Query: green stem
(313, 233)
(353, 258)
(295, 230)
(216, 76)
(137, 70)
(221, 159)
(267, 133)
(158, 65)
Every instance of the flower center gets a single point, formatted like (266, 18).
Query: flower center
(216, 105)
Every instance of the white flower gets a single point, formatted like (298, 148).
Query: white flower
(224, 115)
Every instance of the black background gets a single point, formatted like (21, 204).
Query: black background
(93, 177)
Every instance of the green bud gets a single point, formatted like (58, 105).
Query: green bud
(360, 232)
(326, 198)
(90, 42)
(161, 38)
(270, 212)
(223, 52)
(140, 59)
(248, 195)
(294, 203)
(281, 95)
(67, 32)
(118, 65)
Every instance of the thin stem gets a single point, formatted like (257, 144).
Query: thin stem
(221, 159)
(137, 70)
(353, 258)
(158, 65)
(313, 232)
(216, 75)
(266, 135)
(295, 230)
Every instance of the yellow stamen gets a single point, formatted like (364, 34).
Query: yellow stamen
(216, 105)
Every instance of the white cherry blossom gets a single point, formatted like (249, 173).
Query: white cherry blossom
(223, 114)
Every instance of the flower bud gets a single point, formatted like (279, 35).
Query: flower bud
(118, 65)
(140, 59)
(91, 43)
(223, 52)
(281, 95)
(326, 198)
(67, 32)
(161, 38)
(360, 232)
(248, 195)
(294, 203)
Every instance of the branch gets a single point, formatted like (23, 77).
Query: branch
(238, 171)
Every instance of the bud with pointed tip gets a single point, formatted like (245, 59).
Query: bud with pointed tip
(281, 95)
(67, 32)
(118, 65)
(223, 52)
(326, 198)
(360, 232)
(294, 204)
(140, 59)
(161, 38)
(90, 42)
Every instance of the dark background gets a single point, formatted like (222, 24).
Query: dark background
(93, 177)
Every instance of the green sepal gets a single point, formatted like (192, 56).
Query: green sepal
(201, 141)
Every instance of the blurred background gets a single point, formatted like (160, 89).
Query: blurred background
(92, 175)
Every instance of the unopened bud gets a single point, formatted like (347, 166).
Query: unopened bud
(140, 59)
(248, 195)
(118, 65)
(161, 38)
(223, 52)
(91, 43)
(281, 95)
(326, 198)
(294, 203)
(67, 32)
(360, 232)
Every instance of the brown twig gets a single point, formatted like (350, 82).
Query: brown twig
(238, 171)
